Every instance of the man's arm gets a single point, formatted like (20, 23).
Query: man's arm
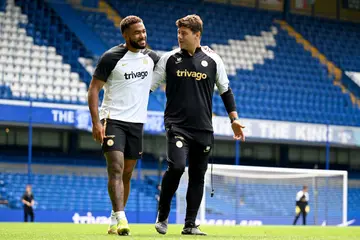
(223, 85)
(154, 56)
(32, 201)
(102, 71)
(307, 208)
(24, 201)
(159, 74)
(298, 196)
(93, 101)
(307, 197)
(93, 98)
(227, 96)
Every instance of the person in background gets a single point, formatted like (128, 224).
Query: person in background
(28, 201)
(302, 205)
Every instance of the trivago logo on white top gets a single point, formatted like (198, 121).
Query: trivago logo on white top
(90, 219)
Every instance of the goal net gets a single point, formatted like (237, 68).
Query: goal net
(248, 195)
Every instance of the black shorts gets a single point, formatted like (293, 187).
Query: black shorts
(302, 206)
(125, 137)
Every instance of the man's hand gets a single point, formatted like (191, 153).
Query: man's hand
(98, 132)
(237, 129)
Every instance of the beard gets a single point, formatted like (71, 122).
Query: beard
(136, 45)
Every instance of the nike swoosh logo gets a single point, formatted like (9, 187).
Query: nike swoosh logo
(124, 64)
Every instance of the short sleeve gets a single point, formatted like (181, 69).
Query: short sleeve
(154, 56)
(104, 66)
(221, 80)
(307, 197)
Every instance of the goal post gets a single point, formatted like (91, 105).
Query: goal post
(249, 195)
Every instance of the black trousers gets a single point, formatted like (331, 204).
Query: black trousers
(179, 149)
(28, 212)
(303, 213)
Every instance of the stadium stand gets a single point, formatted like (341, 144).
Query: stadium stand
(329, 37)
(272, 76)
(87, 191)
(337, 41)
(261, 58)
(29, 66)
(250, 199)
(84, 191)
(103, 26)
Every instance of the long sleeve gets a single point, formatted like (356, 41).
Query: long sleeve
(159, 75)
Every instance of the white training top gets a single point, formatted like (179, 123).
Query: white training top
(300, 194)
(127, 76)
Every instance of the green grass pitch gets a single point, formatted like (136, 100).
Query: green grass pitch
(59, 231)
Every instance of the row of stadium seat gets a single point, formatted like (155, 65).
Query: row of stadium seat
(338, 41)
(76, 192)
(47, 29)
(102, 26)
(260, 57)
(89, 192)
(16, 73)
(263, 59)
(47, 67)
(243, 21)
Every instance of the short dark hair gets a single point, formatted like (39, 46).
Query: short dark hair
(305, 187)
(128, 21)
(193, 22)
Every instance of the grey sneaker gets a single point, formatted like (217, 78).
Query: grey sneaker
(192, 230)
(161, 227)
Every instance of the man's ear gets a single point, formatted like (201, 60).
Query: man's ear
(125, 34)
(198, 34)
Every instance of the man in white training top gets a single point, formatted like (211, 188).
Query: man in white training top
(302, 207)
(125, 71)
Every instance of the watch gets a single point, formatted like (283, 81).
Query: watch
(233, 119)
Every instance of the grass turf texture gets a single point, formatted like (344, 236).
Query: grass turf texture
(38, 231)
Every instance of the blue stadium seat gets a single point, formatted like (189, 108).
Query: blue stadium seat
(336, 40)
(290, 86)
(293, 86)
(78, 188)
(88, 193)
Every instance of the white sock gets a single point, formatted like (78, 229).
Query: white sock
(120, 215)
(113, 220)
